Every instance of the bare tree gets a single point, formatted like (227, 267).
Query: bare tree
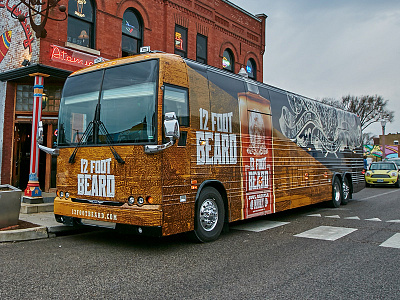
(370, 109)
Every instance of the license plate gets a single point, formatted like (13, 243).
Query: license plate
(379, 180)
(98, 223)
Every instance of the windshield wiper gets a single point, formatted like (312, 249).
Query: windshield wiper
(103, 128)
(93, 128)
(88, 131)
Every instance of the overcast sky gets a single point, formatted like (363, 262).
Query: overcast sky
(332, 48)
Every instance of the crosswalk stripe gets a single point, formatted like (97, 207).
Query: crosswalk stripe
(393, 242)
(352, 218)
(260, 225)
(333, 217)
(328, 233)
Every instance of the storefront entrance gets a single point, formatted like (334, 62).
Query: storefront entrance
(21, 158)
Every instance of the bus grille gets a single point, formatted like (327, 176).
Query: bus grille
(101, 202)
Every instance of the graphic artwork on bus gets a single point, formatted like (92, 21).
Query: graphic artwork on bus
(311, 123)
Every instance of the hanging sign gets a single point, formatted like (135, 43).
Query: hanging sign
(73, 57)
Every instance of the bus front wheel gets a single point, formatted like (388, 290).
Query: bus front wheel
(209, 215)
(336, 193)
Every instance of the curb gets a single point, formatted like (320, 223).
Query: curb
(27, 234)
(34, 233)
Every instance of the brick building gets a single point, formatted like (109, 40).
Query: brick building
(215, 32)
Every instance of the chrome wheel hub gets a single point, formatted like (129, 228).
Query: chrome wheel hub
(209, 214)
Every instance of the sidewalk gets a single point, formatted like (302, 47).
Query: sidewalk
(47, 225)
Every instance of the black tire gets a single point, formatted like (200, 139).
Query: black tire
(209, 215)
(366, 184)
(337, 194)
(397, 184)
(346, 191)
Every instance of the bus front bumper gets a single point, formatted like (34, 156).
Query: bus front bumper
(147, 215)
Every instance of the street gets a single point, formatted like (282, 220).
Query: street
(314, 252)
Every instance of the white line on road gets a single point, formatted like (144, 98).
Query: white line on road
(258, 226)
(328, 233)
(381, 194)
(393, 242)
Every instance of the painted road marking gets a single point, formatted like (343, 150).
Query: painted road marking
(328, 233)
(374, 219)
(333, 217)
(314, 215)
(393, 242)
(379, 195)
(393, 221)
(352, 218)
(258, 226)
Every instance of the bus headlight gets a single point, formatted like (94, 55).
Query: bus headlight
(140, 201)
(61, 194)
(131, 200)
(66, 195)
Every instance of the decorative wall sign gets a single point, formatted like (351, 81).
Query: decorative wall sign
(5, 41)
(73, 57)
(312, 123)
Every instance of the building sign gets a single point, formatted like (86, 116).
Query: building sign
(73, 57)
(178, 41)
(79, 11)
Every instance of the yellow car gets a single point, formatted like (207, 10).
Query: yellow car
(383, 173)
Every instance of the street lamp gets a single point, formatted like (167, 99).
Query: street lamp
(383, 123)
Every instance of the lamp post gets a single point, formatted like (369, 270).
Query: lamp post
(383, 123)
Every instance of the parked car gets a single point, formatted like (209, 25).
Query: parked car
(382, 173)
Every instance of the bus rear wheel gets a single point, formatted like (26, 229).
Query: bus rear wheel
(346, 191)
(336, 193)
(209, 215)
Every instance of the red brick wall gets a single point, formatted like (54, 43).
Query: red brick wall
(222, 23)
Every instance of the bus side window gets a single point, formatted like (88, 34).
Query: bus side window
(176, 100)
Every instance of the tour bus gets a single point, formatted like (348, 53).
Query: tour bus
(162, 145)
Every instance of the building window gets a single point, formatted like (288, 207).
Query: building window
(131, 33)
(251, 69)
(228, 62)
(81, 23)
(25, 98)
(180, 40)
(201, 48)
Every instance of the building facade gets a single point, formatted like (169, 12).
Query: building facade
(214, 32)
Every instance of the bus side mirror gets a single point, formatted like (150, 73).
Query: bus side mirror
(171, 126)
(171, 130)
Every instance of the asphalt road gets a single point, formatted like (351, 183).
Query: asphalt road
(356, 257)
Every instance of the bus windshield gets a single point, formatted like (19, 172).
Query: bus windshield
(125, 97)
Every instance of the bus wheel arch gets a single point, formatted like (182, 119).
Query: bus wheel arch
(210, 211)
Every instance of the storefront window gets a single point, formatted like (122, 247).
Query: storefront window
(251, 69)
(131, 33)
(180, 41)
(25, 98)
(201, 49)
(228, 60)
(81, 23)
